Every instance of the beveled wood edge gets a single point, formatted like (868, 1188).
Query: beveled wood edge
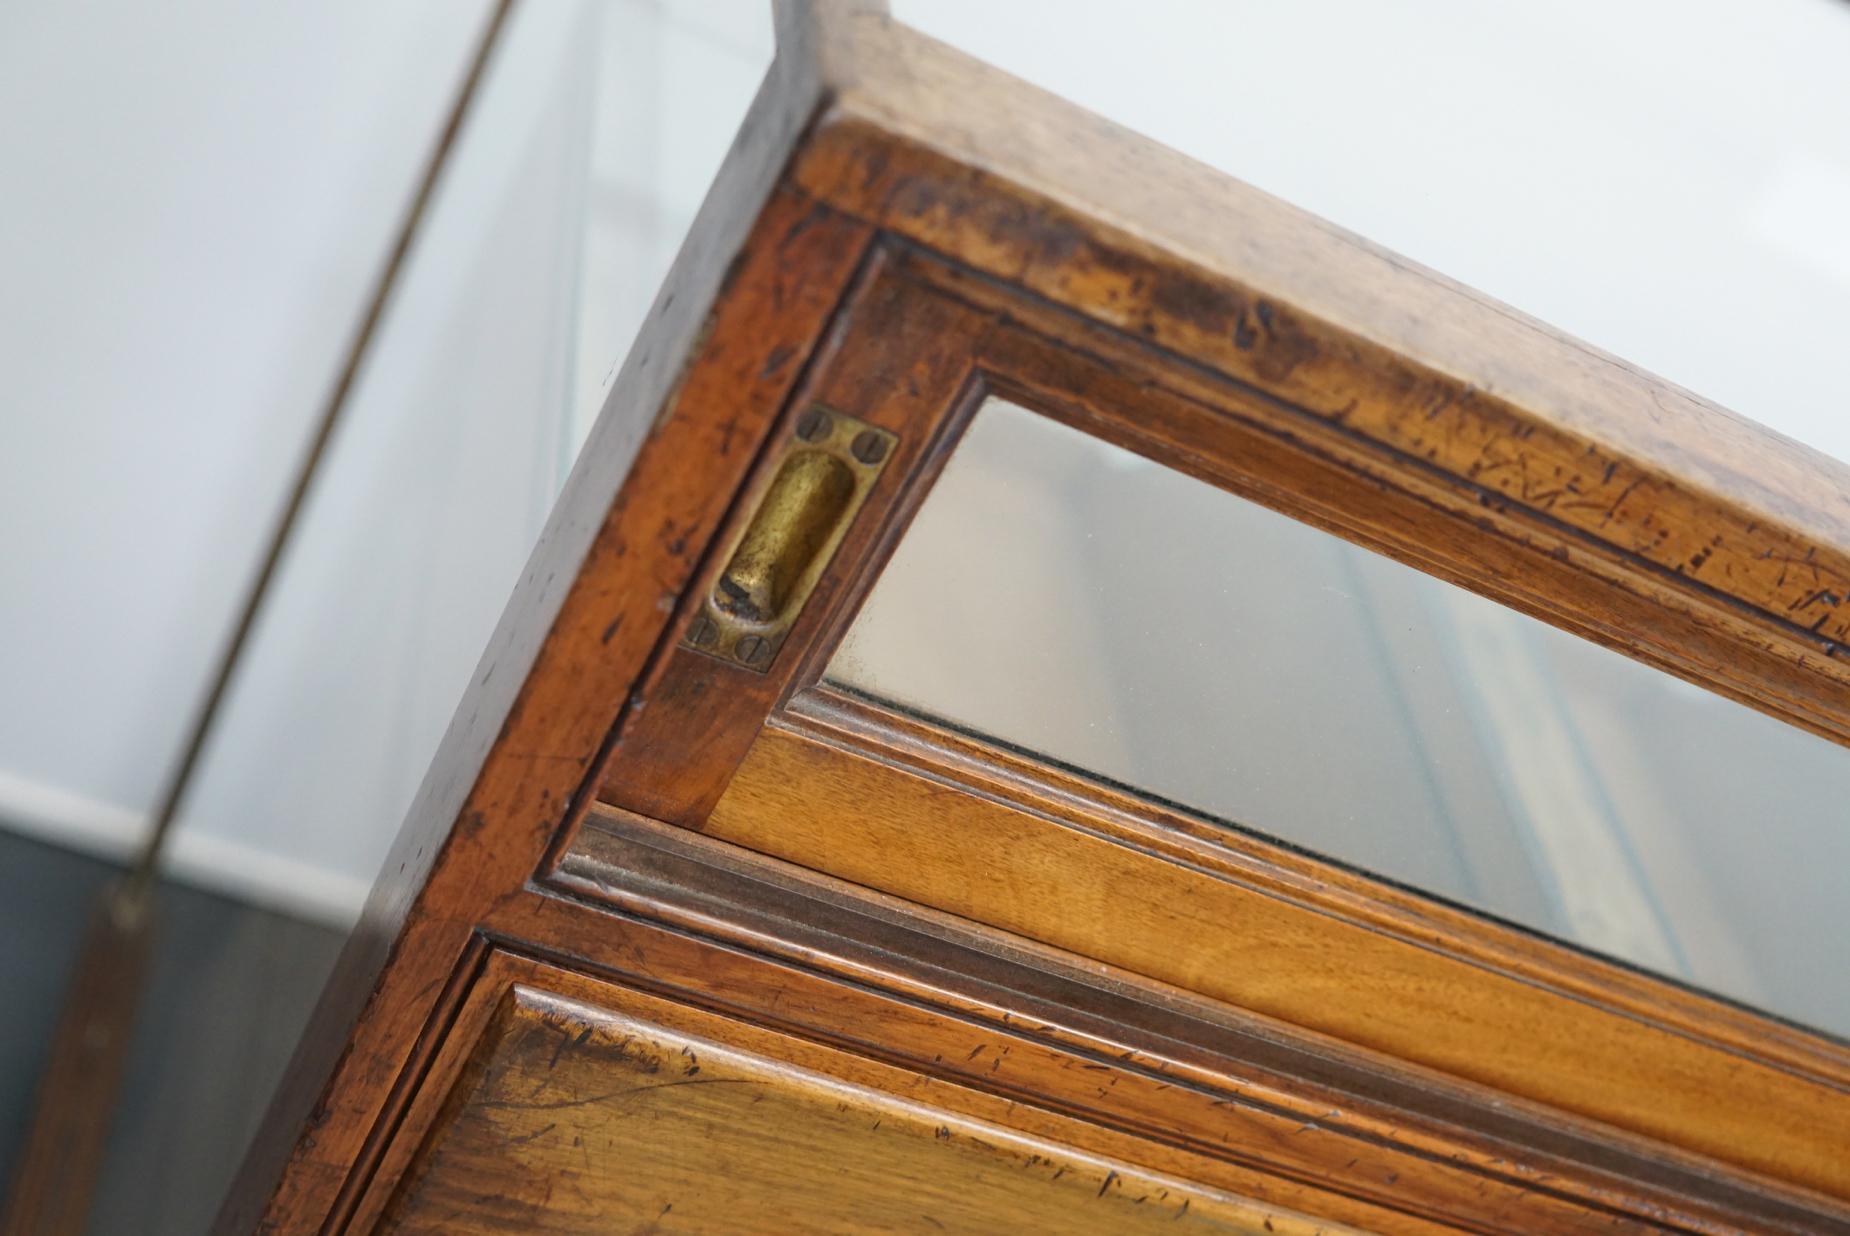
(1441, 524)
(514, 977)
(970, 163)
(1492, 948)
(890, 735)
(808, 703)
(1479, 1150)
(397, 975)
(935, 1114)
(1075, 886)
(456, 1017)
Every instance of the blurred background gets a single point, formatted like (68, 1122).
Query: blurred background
(196, 194)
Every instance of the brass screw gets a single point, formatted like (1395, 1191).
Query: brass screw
(703, 632)
(814, 425)
(868, 447)
(752, 649)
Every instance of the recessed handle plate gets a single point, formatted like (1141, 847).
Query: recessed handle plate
(827, 464)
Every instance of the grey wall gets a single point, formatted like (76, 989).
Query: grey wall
(228, 988)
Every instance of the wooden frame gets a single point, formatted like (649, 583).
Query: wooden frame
(520, 1006)
(899, 231)
(856, 791)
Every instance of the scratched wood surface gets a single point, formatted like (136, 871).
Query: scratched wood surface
(751, 295)
(896, 363)
(1298, 1120)
(1120, 390)
(908, 834)
(1044, 197)
(576, 1119)
(1269, 930)
(1448, 430)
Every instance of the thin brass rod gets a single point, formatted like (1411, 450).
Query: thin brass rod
(180, 779)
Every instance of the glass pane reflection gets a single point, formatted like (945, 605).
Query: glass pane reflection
(1065, 596)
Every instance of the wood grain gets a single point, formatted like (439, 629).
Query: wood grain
(1446, 525)
(1050, 200)
(897, 362)
(1121, 390)
(999, 237)
(1338, 892)
(576, 1119)
(679, 982)
(684, 422)
(929, 840)
(1318, 1126)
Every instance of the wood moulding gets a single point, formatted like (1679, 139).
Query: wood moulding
(747, 306)
(1321, 1111)
(1123, 894)
(1743, 526)
(998, 236)
(910, 809)
(539, 1094)
(1155, 1101)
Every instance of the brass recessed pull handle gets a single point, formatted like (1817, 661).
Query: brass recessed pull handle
(800, 511)
(828, 464)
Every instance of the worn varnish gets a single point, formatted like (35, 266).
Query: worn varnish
(1049, 199)
(910, 835)
(1313, 1125)
(574, 1114)
(585, 617)
(1141, 1100)
(1316, 947)
(855, 917)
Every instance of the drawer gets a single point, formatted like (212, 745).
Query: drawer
(584, 1107)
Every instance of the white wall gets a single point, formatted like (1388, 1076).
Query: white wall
(196, 197)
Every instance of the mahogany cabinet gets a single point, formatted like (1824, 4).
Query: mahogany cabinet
(698, 926)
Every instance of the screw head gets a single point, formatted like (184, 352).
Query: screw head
(703, 632)
(868, 447)
(752, 649)
(814, 425)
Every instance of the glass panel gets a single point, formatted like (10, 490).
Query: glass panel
(1065, 596)
(199, 195)
(672, 82)
(1628, 173)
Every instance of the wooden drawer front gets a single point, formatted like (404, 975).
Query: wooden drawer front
(571, 1117)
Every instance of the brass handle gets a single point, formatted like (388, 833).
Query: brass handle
(800, 510)
(828, 464)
